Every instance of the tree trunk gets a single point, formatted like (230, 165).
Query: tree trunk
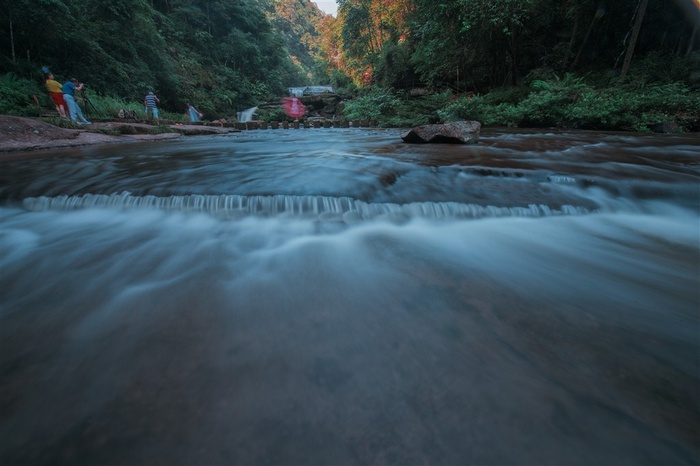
(208, 19)
(633, 40)
(572, 40)
(598, 14)
(457, 78)
(12, 41)
(513, 61)
(691, 42)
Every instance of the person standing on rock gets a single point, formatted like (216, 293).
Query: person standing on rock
(76, 114)
(56, 92)
(193, 113)
(293, 107)
(151, 103)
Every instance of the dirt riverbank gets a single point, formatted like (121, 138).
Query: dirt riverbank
(18, 134)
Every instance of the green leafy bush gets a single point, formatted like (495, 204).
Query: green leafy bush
(634, 108)
(274, 114)
(16, 96)
(390, 109)
(377, 103)
(479, 109)
(465, 108)
(570, 102)
(661, 68)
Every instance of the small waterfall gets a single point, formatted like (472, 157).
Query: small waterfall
(561, 179)
(325, 207)
(246, 115)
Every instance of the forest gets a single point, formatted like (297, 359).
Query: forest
(589, 64)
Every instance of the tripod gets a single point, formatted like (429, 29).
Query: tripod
(87, 103)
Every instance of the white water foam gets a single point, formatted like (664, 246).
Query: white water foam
(561, 179)
(306, 206)
(110, 299)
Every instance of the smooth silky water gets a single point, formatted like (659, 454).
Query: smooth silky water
(335, 296)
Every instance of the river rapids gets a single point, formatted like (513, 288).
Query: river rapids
(336, 296)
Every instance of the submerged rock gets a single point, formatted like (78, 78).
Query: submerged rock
(460, 132)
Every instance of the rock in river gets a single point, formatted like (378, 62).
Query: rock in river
(460, 132)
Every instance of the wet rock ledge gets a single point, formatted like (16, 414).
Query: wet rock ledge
(18, 134)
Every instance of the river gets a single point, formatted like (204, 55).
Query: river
(336, 296)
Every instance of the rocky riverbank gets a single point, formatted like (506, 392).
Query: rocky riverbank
(18, 134)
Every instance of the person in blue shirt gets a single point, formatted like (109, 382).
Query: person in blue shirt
(76, 114)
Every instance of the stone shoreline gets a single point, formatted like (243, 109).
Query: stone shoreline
(19, 134)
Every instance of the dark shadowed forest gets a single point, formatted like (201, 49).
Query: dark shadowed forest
(599, 64)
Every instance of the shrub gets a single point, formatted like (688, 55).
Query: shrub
(377, 103)
(107, 107)
(507, 95)
(391, 109)
(16, 96)
(479, 109)
(634, 108)
(465, 108)
(569, 102)
(666, 69)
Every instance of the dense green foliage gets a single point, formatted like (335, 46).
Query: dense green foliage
(567, 102)
(392, 109)
(15, 96)
(526, 62)
(570, 103)
(298, 23)
(479, 45)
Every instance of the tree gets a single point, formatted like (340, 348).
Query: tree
(366, 26)
(639, 17)
(298, 21)
(478, 41)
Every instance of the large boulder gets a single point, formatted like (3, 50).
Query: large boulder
(460, 132)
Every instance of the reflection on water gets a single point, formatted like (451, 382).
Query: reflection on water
(339, 297)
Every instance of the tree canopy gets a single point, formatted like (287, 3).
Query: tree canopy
(478, 45)
(230, 54)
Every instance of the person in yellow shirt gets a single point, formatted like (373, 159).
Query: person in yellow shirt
(56, 92)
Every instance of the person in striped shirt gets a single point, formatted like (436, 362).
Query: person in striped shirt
(151, 102)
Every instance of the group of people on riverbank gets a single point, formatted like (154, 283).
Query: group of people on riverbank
(63, 97)
(151, 102)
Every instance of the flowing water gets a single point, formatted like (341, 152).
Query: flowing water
(335, 296)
